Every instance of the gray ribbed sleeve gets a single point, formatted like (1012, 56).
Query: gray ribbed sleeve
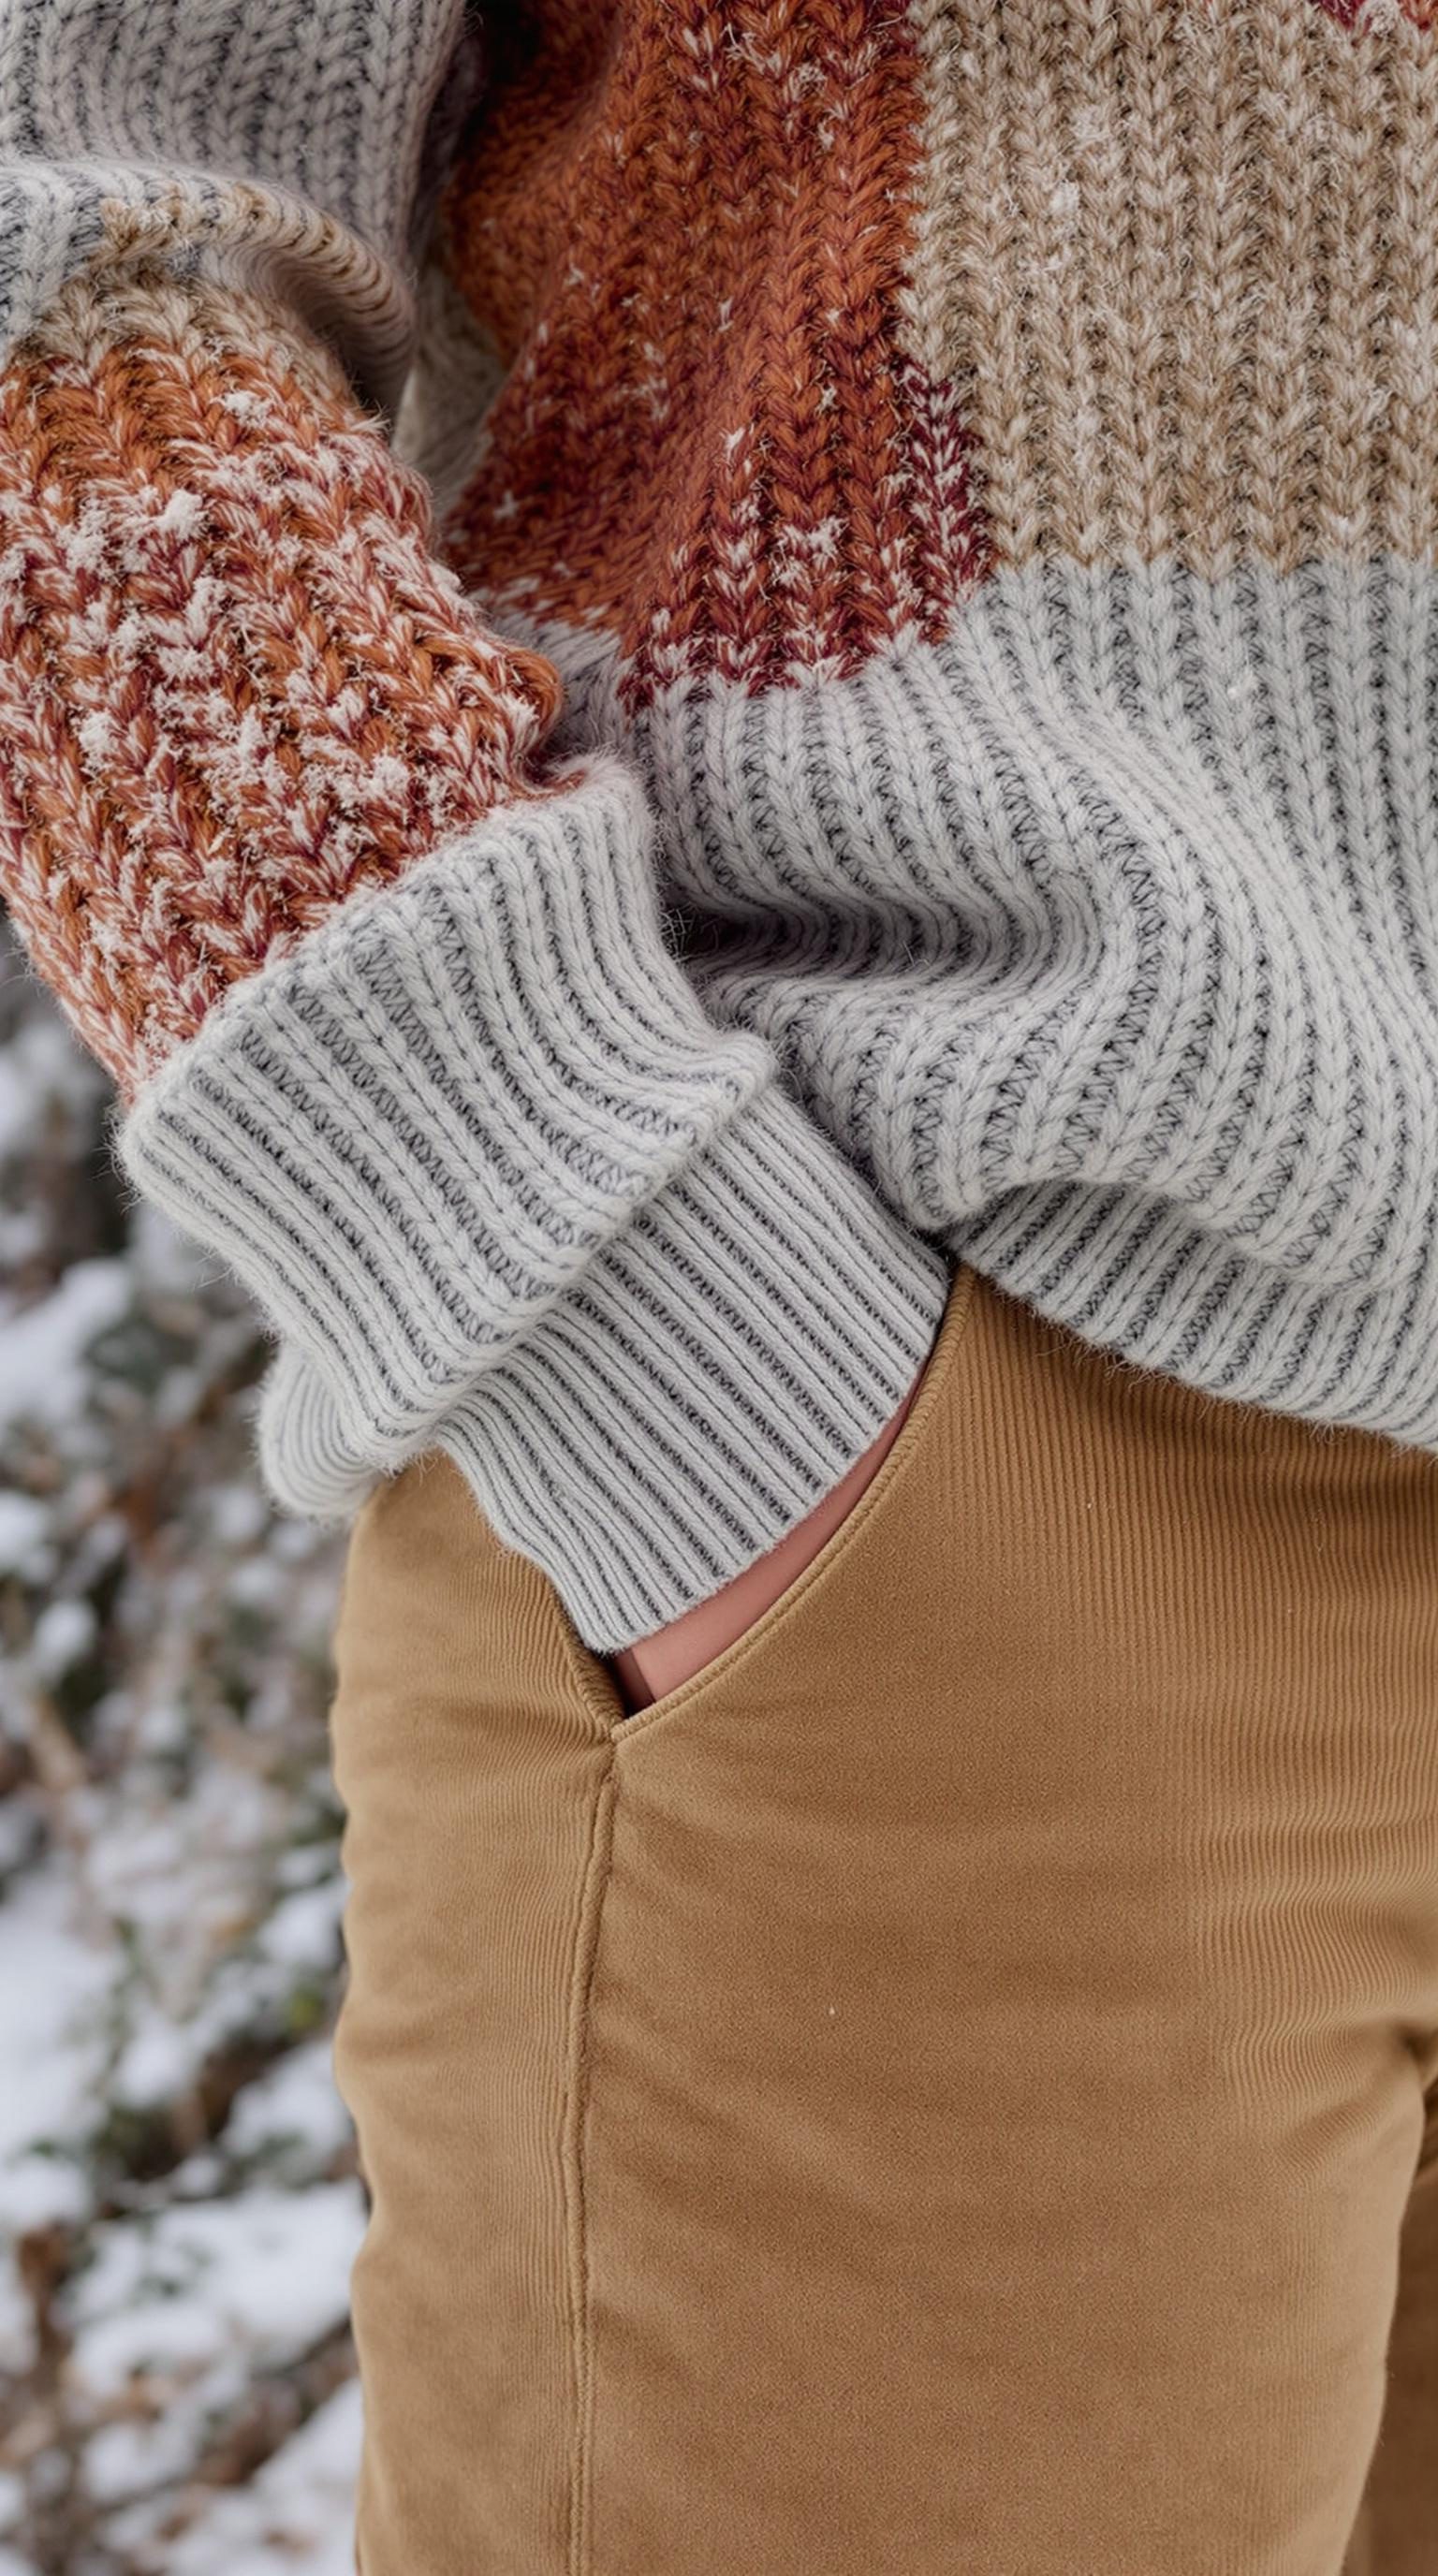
(501, 1188)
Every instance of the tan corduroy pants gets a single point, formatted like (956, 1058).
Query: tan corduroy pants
(943, 2092)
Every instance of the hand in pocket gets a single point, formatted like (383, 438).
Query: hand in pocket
(659, 1662)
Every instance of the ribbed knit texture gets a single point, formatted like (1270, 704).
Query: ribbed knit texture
(603, 1262)
(661, 665)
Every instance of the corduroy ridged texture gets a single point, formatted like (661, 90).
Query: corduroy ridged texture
(989, 2009)
(972, 467)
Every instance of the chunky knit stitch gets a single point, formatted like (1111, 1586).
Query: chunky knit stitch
(667, 661)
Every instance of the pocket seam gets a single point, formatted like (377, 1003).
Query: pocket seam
(953, 1335)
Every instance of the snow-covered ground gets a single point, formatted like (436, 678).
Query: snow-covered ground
(179, 2206)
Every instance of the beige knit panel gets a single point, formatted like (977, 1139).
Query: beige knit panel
(1181, 263)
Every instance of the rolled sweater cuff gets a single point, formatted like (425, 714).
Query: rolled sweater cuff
(501, 1188)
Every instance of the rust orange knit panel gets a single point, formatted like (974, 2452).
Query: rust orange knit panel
(690, 239)
(236, 685)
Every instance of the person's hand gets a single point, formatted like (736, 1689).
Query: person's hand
(659, 1662)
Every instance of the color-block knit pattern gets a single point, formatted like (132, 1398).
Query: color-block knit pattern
(831, 311)
(247, 700)
(870, 695)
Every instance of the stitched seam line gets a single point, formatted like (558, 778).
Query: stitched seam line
(586, 1950)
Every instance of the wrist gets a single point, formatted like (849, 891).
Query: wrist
(660, 1662)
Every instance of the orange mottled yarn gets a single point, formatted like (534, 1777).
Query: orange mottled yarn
(718, 432)
(235, 683)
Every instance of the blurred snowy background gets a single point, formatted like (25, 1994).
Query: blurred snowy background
(178, 2198)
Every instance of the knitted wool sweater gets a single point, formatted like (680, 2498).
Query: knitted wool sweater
(668, 661)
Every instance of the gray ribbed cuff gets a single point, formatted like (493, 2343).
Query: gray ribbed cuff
(500, 1187)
